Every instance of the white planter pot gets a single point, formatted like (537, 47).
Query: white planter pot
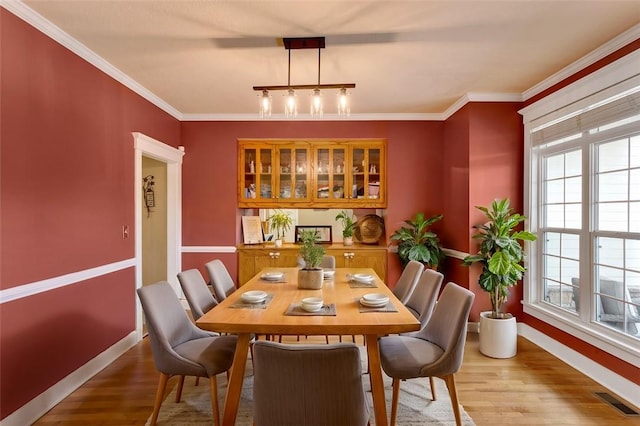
(348, 241)
(310, 279)
(498, 337)
(278, 243)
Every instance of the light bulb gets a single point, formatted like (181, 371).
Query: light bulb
(344, 109)
(265, 104)
(316, 103)
(290, 107)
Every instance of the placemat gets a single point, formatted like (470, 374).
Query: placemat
(386, 308)
(241, 304)
(296, 309)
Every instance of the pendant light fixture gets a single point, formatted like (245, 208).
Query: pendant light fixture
(316, 105)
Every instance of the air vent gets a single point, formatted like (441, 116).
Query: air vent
(617, 404)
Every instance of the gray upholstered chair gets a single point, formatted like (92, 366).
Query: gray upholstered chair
(220, 279)
(614, 311)
(305, 385)
(435, 351)
(423, 298)
(196, 291)
(328, 262)
(180, 348)
(408, 280)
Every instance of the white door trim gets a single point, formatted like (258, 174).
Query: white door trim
(149, 147)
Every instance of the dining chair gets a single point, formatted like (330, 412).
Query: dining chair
(408, 280)
(316, 385)
(328, 262)
(179, 348)
(435, 351)
(423, 297)
(197, 292)
(220, 279)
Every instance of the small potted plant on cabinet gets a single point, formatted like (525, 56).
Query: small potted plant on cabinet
(310, 277)
(348, 224)
(417, 242)
(501, 256)
(279, 223)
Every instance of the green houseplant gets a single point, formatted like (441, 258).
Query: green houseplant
(348, 222)
(310, 277)
(279, 223)
(501, 256)
(417, 242)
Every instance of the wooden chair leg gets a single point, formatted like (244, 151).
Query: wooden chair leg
(432, 385)
(394, 400)
(179, 389)
(213, 384)
(162, 386)
(453, 394)
(326, 337)
(197, 380)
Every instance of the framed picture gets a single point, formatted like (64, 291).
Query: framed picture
(252, 230)
(324, 232)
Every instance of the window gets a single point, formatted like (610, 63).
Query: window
(583, 194)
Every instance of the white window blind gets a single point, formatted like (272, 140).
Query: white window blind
(616, 110)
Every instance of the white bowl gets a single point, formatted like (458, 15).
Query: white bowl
(272, 276)
(376, 298)
(312, 304)
(254, 296)
(365, 278)
(328, 273)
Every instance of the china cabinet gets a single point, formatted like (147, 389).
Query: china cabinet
(253, 258)
(312, 173)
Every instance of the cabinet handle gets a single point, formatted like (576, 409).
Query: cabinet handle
(346, 255)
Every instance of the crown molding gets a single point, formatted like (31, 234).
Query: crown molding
(36, 20)
(45, 26)
(601, 52)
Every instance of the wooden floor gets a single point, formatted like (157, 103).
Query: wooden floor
(533, 388)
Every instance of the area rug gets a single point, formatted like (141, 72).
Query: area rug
(415, 406)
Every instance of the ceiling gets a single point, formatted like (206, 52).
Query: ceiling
(405, 57)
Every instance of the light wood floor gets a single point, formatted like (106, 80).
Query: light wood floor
(533, 388)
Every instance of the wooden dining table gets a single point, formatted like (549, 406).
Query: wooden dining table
(227, 317)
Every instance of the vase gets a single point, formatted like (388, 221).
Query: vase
(348, 241)
(498, 336)
(310, 279)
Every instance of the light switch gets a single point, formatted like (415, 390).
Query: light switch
(125, 231)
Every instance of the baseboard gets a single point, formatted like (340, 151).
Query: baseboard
(617, 384)
(38, 406)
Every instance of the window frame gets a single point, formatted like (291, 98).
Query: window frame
(609, 81)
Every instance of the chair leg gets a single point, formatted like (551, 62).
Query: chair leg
(432, 385)
(394, 400)
(197, 380)
(179, 389)
(213, 384)
(326, 337)
(162, 386)
(453, 394)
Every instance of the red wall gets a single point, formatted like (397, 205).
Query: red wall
(66, 173)
(210, 213)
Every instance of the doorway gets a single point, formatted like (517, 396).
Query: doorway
(168, 160)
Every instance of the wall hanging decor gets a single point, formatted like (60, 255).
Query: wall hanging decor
(148, 194)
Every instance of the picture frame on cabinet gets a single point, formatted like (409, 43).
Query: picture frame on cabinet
(324, 233)
(252, 230)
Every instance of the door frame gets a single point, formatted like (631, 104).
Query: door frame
(172, 157)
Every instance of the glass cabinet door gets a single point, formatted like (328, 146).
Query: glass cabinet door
(257, 178)
(330, 177)
(366, 173)
(293, 174)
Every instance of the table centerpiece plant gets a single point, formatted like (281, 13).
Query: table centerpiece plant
(501, 256)
(310, 277)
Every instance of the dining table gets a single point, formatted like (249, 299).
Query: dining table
(276, 315)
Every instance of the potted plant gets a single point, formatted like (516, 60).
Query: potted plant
(501, 255)
(417, 242)
(279, 223)
(348, 222)
(310, 277)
